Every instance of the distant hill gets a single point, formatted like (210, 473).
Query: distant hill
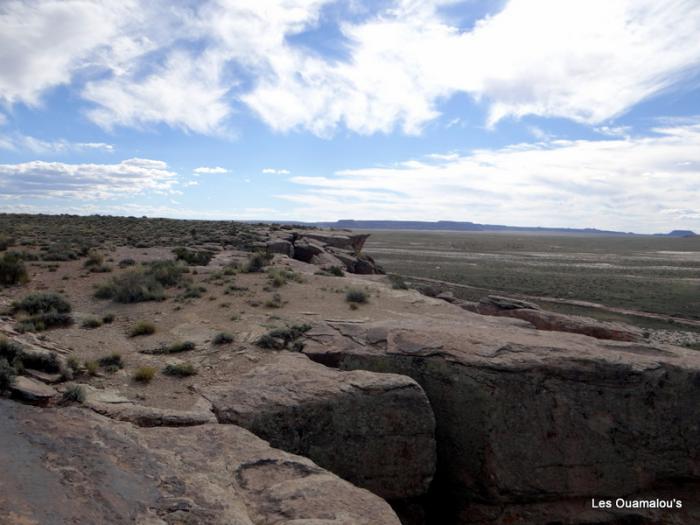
(458, 226)
(678, 233)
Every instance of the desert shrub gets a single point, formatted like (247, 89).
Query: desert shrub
(279, 277)
(94, 259)
(274, 302)
(257, 261)
(19, 359)
(74, 394)
(6, 242)
(397, 282)
(142, 328)
(41, 322)
(179, 370)
(11, 351)
(126, 262)
(108, 318)
(337, 271)
(7, 374)
(91, 367)
(102, 268)
(167, 273)
(73, 363)
(91, 322)
(111, 362)
(144, 374)
(175, 348)
(356, 296)
(281, 338)
(41, 303)
(60, 252)
(12, 270)
(192, 292)
(131, 287)
(222, 338)
(193, 257)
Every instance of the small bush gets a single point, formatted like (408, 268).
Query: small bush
(397, 282)
(192, 257)
(279, 277)
(337, 271)
(108, 318)
(257, 261)
(142, 328)
(192, 292)
(6, 242)
(41, 322)
(144, 374)
(91, 367)
(7, 374)
(222, 338)
(274, 302)
(281, 338)
(167, 273)
(91, 322)
(131, 287)
(111, 362)
(126, 262)
(42, 303)
(11, 351)
(174, 348)
(356, 296)
(73, 363)
(179, 370)
(94, 259)
(74, 394)
(12, 270)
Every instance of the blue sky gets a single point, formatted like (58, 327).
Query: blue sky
(550, 113)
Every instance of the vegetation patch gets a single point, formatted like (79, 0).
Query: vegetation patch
(43, 311)
(278, 277)
(111, 363)
(12, 270)
(175, 348)
(284, 338)
(91, 322)
(133, 286)
(74, 394)
(222, 338)
(397, 282)
(193, 257)
(144, 374)
(7, 375)
(355, 296)
(257, 261)
(142, 328)
(180, 370)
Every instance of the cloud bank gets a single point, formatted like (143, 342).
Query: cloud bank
(193, 66)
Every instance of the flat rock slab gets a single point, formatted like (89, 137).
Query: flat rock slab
(73, 466)
(32, 390)
(526, 416)
(375, 430)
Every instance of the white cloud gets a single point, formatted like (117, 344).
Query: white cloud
(634, 184)
(274, 171)
(39, 179)
(19, 142)
(188, 65)
(205, 170)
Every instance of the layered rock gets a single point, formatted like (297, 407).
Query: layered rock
(374, 430)
(78, 467)
(531, 425)
(543, 320)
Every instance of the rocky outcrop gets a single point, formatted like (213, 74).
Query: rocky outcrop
(78, 467)
(531, 425)
(374, 430)
(32, 391)
(325, 249)
(543, 320)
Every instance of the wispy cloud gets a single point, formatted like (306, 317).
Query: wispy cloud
(39, 179)
(206, 170)
(275, 171)
(635, 184)
(18, 142)
(586, 60)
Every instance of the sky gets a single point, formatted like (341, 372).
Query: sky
(560, 113)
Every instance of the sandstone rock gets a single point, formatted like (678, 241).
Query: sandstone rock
(543, 320)
(145, 416)
(375, 430)
(447, 296)
(32, 390)
(73, 466)
(353, 242)
(305, 250)
(280, 246)
(532, 418)
(326, 260)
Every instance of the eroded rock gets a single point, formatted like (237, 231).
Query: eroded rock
(535, 418)
(73, 466)
(375, 430)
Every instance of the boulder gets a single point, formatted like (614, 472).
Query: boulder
(543, 320)
(537, 422)
(74, 466)
(32, 391)
(353, 242)
(374, 430)
(305, 250)
(281, 246)
(325, 260)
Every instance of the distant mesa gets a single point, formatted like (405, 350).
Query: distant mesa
(679, 233)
